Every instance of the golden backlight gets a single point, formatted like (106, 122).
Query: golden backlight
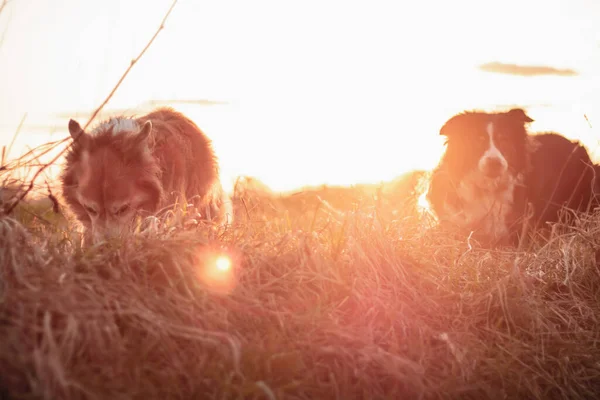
(357, 98)
(423, 203)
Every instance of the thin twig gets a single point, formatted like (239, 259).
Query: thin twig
(3, 5)
(133, 62)
(588, 120)
(53, 199)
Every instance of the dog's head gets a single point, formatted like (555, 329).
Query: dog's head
(488, 147)
(110, 175)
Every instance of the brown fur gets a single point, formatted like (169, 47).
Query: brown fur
(122, 171)
(545, 174)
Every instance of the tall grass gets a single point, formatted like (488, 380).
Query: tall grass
(374, 303)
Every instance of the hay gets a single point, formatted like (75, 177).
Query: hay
(312, 307)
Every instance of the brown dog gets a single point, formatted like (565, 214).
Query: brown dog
(129, 167)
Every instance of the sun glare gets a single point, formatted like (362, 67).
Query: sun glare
(216, 270)
(223, 263)
(423, 203)
(371, 106)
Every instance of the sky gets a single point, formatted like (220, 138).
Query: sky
(306, 92)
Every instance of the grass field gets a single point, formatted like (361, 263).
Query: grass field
(375, 304)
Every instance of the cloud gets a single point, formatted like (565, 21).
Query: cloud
(146, 106)
(525, 70)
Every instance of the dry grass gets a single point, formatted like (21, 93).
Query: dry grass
(377, 304)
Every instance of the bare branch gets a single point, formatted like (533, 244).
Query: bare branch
(133, 62)
(3, 5)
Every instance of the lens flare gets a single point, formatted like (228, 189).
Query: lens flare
(216, 270)
(223, 263)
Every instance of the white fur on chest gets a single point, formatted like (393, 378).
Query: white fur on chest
(486, 211)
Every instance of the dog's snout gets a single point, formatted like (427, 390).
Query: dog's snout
(492, 167)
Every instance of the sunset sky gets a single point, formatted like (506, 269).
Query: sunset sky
(307, 92)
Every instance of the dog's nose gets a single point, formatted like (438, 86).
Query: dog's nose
(492, 167)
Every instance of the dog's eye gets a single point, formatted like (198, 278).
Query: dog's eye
(90, 210)
(122, 209)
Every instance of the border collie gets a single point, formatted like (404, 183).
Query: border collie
(494, 176)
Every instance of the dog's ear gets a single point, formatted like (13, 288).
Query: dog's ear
(78, 134)
(454, 125)
(519, 115)
(141, 138)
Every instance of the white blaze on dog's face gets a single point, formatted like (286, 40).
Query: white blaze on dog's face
(116, 179)
(492, 163)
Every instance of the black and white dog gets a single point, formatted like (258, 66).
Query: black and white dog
(494, 175)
